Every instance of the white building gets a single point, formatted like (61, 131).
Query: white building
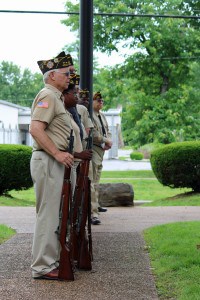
(15, 121)
(14, 124)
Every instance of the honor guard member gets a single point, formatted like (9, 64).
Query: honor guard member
(50, 128)
(82, 108)
(101, 142)
(70, 101)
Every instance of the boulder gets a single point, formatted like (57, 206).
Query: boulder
(116, 194)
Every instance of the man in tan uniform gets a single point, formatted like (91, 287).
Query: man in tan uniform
(50, 128)
(101, 142)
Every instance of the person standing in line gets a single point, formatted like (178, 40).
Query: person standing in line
(82, 108)
(101, 142)
(95, 208)
(50, 128)
(70, 101)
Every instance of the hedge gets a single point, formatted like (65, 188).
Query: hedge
(136, 155)
(15, 167)
(178, 165)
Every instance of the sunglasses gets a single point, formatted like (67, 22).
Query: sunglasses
(67, 74)
(100, 100)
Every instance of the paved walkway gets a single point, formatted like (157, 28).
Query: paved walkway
(122, 165)
(128, 164)
(121, 269)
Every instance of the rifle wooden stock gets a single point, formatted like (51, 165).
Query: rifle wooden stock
(65, 263)
(89, 221)
(84, 257)
(81, 246)
(77, 211)
(66, 269)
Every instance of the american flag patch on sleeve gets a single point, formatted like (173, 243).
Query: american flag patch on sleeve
(43, 104)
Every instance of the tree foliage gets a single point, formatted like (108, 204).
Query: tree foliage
(158, 83)
(17, 86)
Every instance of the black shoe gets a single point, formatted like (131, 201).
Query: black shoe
(102, 209)
(95, 221)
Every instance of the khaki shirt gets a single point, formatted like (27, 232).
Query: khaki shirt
(85, 121)
(48, 107)
(85, 117)
(78, 147)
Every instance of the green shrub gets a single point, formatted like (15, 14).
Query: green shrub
(15, 167)
(177, 165)
(136, 156)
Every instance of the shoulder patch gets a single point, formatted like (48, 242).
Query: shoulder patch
(42, 104)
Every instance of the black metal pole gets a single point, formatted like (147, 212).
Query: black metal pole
(86, 47)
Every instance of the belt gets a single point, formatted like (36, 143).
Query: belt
(45, 151)
(98, 146)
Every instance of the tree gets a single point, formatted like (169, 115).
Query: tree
(153, 82)
(17, 86)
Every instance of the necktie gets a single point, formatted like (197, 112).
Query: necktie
(76, 118)
(102, 126)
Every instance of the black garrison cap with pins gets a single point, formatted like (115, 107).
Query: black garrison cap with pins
(62, 60)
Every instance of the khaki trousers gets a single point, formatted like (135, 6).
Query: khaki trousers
(47, 175)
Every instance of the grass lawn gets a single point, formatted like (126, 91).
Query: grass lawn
(18, 198)
(5, 233)
(175, 259)
(145, 186)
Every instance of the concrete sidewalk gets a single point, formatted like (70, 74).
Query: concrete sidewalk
(121, 269)
(125, 165)
(116, 164)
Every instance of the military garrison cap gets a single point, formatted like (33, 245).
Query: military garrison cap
(77, 79)
(84, 93)
(62, 60)
(97, 96)
(74, 79)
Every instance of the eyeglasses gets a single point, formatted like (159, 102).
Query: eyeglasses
(67, 74)
(74, 94)
(100, 100)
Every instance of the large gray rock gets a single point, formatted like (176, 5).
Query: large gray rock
(116, 194)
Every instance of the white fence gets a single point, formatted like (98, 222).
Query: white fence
(15, 136)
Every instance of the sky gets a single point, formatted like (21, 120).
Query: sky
(27, 38)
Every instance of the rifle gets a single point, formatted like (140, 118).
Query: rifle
(65, 265)
(89, 221)
(82, 246)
